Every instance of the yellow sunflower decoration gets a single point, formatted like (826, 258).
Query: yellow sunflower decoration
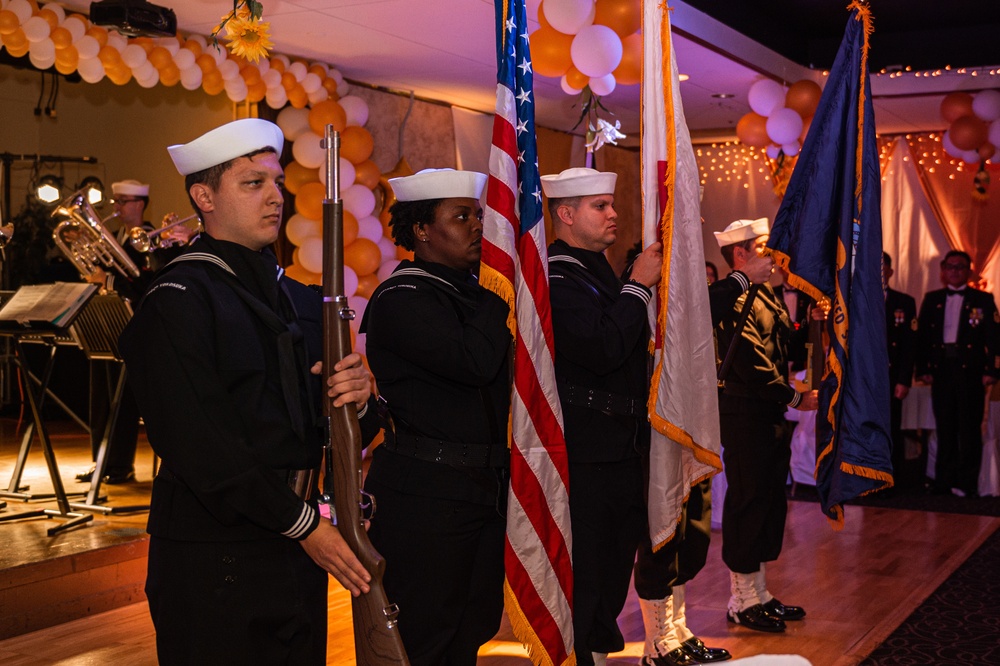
(248, 36)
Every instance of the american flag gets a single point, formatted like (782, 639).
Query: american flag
(539, 575)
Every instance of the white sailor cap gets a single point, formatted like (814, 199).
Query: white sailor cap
(579, 182)
(130, 188)
(225, 143)
(439, 184)
(742, 230)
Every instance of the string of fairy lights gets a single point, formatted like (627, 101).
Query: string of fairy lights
(734, 161)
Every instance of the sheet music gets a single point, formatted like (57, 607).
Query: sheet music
(55, 304)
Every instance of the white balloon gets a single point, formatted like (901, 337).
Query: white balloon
(56, 9)
(994, 133)
(299, 228)
(191, 77)
(311, 254)
(91, 70)
(229, 70)
(293, 122)
(986, 105)
(350, 281)
(358, 304)
(184, 58)
(264, 65)
(359, 200)
(143, 71)
(318, 96)
(950, 147)
(149, 78)
(791, 149)
(199, 40)
(276, 98)
(343, 88)
(784, 126)
(369, 227)
(311, 82)
(236, 90)
(118, 41)
(283, 58)
(36, 29)
(567, 88)
(336, 76)
(44, 50)
(971, 156)
(22, 9)
(308, 152)
(356, 110)
(41, 62)
(298, 70)
(133, 56)
(569, 16)
(218, 52)
(766, 96)
(361, 343)
(169, 43)
(87, 47)
(347, 174)
(76, 26)
(596, 50)
(387, 248)
(773, 151)
(386, 269)
(603, 85)
(271, 78)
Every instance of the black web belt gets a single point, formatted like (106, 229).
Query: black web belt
(602, 401)
(456, 454)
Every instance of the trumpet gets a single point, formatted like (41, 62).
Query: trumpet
(143, 240)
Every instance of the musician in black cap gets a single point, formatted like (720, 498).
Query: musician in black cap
(219, 355)
(440, 350)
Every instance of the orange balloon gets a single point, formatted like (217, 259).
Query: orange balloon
(109, 56)
(330, 84)
(954, 106)
(296, 272)
(288, 81)
(366, 285)
(212, 87)
(968, 133)
(66, 68)
(212, 79)
(159, 57)
(752, 130)
(309, 200)
(61, 38)
(297, 175)
(250, 74)
(550, 52)
(170, 75)
(327, 112)
(542, 21)
(356, 144)
(98, 33)
(277, 65)
(317, 69)
(806, 124)
(803, 96)
(577, 79)
(403, 253)
(16, 39)
(986, 151)
(622, 16)
(9, 22)
(206, 62)
(18, 51)
(629, 70)
(193, 46)
(350, 228)
(50, 18)
(145, 42)
(367, 174)
(298, 97)
(256, 92)
(363, 256)
(119, 75)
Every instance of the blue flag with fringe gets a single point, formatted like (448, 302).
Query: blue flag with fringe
(828, 236)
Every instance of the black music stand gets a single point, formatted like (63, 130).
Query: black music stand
(45, 311)
(97, 329)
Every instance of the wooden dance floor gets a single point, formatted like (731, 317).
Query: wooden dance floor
(857, 585)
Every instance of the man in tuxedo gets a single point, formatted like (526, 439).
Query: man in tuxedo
(957, 354)
(901, 339)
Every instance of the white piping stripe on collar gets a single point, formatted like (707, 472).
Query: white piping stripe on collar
(421, 273)
(205, 256)
(566, 258)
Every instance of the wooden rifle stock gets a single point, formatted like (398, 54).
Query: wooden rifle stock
(376, 635)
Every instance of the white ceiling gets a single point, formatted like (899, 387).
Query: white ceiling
(445, 50)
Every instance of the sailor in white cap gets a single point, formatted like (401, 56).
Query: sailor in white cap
(601, 357)
(752, 405)
(219, 354)
(439, 347)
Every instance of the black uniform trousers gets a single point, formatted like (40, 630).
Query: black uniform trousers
(957, 395)
(608, 518)
(756, 462)
(444, 569)
(242, 602)
(680, 559)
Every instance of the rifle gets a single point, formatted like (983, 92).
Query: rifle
(376, 636)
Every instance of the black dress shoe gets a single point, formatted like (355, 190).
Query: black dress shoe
(756, 618)
(676, 657)
(115, 478)
(775, 608)
(703, 654)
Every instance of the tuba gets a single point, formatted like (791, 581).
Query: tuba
(85, 241)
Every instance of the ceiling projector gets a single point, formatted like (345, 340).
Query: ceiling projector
(134, 18)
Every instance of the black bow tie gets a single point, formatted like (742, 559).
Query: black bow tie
(956, 292)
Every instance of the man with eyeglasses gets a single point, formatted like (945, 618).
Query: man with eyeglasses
(958, 354)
